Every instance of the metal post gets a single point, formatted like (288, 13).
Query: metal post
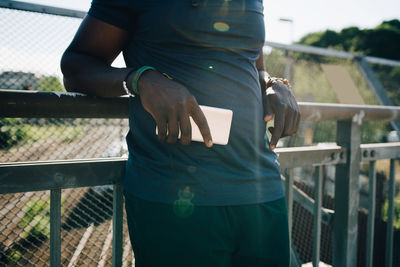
(390, 213)
(117, 226)
(317, 214)
(371, 214)
(55, 227)
(289, 199)
(347, 194)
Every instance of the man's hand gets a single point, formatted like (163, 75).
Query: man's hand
(280, 105)
(171, 104)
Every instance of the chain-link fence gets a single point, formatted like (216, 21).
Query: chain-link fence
(86, 236)
(31, 45)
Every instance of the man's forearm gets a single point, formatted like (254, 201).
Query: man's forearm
(260, 61)
(89, 75)
(262, 74)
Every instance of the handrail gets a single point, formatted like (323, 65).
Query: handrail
(293, 157)
(332, 53)
(42, 9)
(33, 104)
(48, 175)
(373, 152)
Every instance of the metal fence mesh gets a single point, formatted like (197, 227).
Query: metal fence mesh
(31, 45)
(61, 139)
(24, 227)
(86, 236)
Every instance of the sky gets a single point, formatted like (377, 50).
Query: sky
(29, 45)
(306, 15)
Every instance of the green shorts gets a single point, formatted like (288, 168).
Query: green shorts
(181, 234)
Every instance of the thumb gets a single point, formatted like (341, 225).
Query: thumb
(277, 130)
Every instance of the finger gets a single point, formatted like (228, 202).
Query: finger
(173, 127)
(201, 121)
(161, 130)
(186, 129)
(294, 119)
(298, 118)
(290, 123)
(268, 110)
(277, 131)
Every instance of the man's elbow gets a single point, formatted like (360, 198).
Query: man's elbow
(68, 85)
(69, 71)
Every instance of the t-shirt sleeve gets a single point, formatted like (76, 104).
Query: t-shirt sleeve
(115, 12)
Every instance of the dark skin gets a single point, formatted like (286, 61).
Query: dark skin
(86, 66)
(281, 107)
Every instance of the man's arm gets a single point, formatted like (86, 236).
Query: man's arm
(279, 104)
(86, 65)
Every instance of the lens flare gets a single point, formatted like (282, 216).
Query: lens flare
(183, 207)
(221, 26)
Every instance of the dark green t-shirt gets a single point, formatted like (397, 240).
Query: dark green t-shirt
(211, 48)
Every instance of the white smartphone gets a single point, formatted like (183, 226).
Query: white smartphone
(219, 121)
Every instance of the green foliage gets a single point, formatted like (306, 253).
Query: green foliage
(71, 133)
(396, 222)
(382, 41)
(275, 63)
(50, 84)
(324, 131)
(390, 79)
(310, 83)
(14, 256)
(18, 132)
(373, 131)
(36, 228)
(361, 84)
(10, 133)
(36, 219)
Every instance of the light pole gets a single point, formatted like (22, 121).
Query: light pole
(289, 68)
(289, 60)
(289, 20)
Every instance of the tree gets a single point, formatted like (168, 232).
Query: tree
(381, 41)
(10, 132)
(50, 84)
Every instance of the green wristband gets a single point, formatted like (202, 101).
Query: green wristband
(136, 77)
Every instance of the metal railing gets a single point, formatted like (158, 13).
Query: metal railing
(346, 156)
